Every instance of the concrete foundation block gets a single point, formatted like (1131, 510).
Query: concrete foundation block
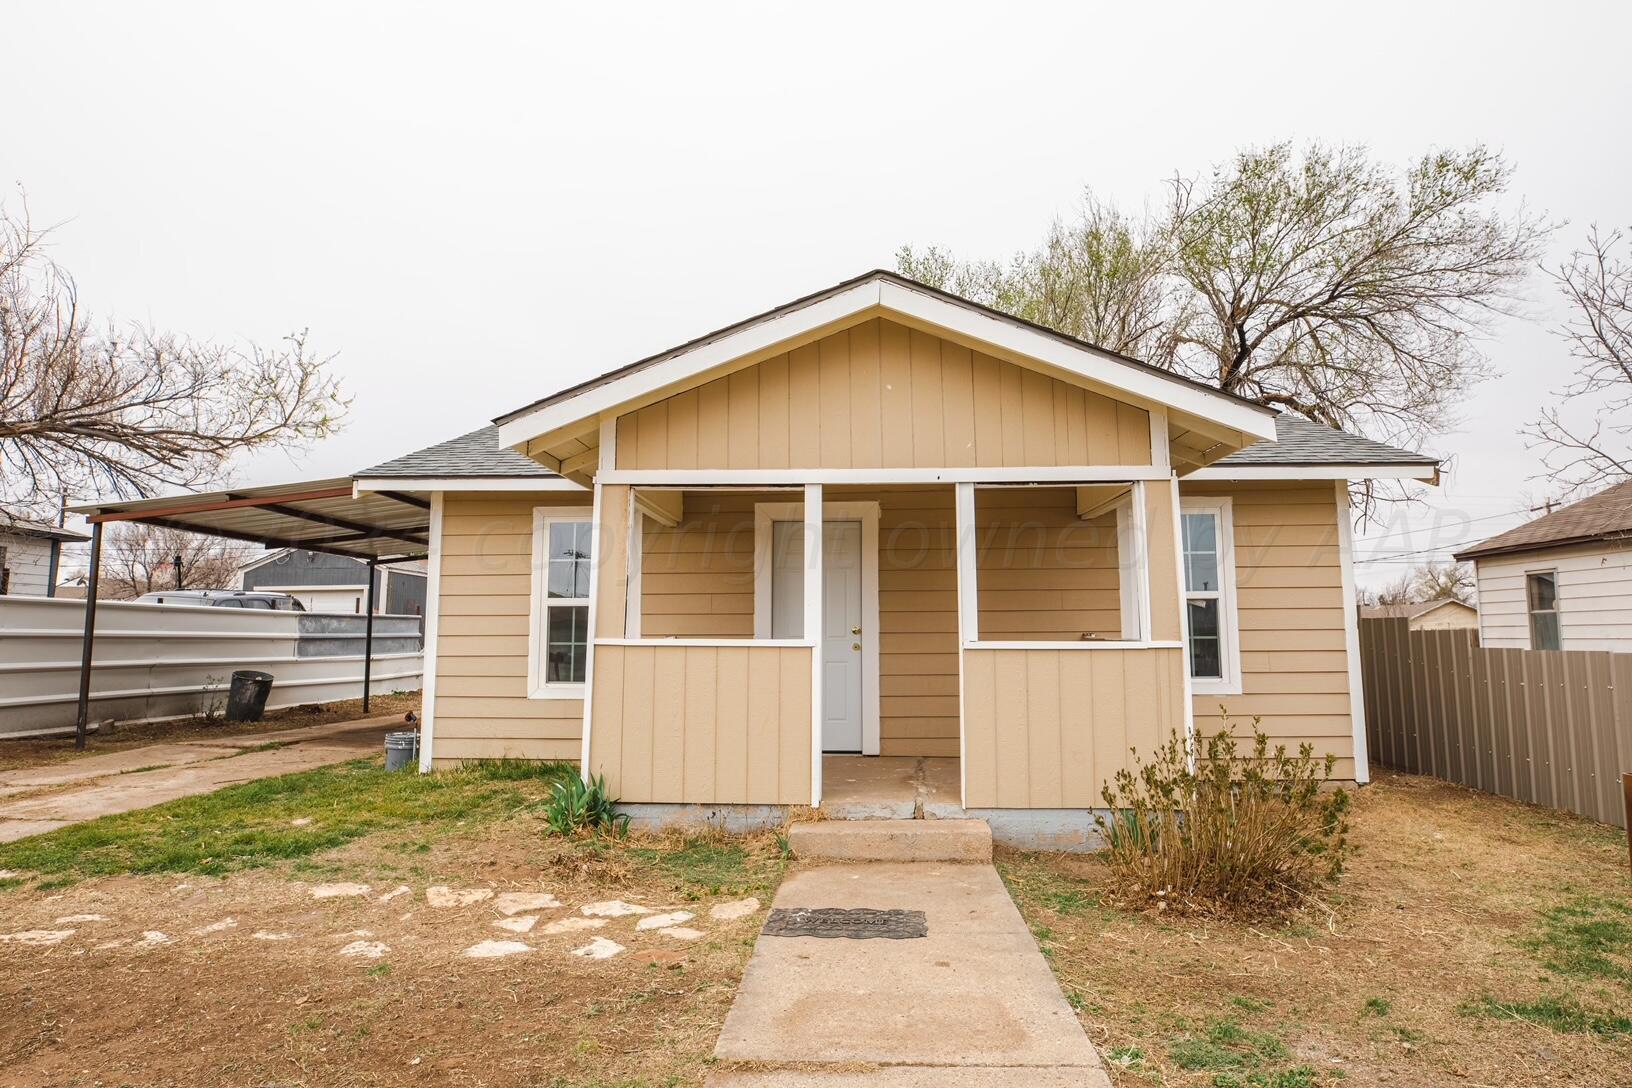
(892, 840)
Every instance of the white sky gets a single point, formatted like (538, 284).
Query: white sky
(474, 205)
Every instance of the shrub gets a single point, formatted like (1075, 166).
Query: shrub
(575, 805)
(1248, 834)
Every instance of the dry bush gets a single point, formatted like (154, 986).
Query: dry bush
(1244, 835)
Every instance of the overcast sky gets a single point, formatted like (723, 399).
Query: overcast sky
(474, 205)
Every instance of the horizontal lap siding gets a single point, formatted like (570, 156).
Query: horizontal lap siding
(1594, 597)
(1289, 590)
(703, 724)
(881, 395)
(1048, 728)
(1044, 574)
(482, 710)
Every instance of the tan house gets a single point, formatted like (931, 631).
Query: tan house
(1448, 614)
(885, 521)
(1562, 581)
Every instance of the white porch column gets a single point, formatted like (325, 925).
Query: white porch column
(963, 503)
(814, 597)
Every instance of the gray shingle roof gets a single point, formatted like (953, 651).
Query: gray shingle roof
(477, 454)
(1300, 442)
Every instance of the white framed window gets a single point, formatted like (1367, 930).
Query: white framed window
(1207, 528)
(1541, 602)
(558, 629)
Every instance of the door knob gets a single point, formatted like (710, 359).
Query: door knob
(855, 630)
(855, 645)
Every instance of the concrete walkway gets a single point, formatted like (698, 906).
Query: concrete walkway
(57, 795)
(972, 1004)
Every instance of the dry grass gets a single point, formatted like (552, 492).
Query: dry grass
(38, 752)
(224, 1008)
(1473, 941)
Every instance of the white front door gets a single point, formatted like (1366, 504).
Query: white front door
(840, 648)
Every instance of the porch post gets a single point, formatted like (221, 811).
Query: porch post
(608, 590)
(963, 503)
(814, 595)
(368, 631)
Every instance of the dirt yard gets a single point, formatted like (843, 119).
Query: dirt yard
(346, 928)
(38, 751)
(1474, 941)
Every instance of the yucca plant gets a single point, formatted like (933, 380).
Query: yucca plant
(575, 805)
(1248, 834)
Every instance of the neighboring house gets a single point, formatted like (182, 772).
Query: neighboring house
(325, 582)
(30, 554)
(1034, 555)
(1562, 581)
(1442, 615)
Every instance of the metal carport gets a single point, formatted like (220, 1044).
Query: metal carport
(379, 527)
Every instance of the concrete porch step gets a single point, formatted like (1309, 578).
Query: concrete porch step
(892, 840)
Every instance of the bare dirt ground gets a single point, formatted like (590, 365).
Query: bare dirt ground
(249, 979)
(39, 752)
(1473, 941)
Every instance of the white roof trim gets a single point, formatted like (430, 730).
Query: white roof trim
(463, 483)
(1427, 473)
(1080, 359)
(261, 560)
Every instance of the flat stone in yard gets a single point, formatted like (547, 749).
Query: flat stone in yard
(519, 924)
(72, 919)
(612, 908)
(681, 933)
(663, 921)
(487, 950)
(338, 891)
(516, 902)
(36, 936)
(400, 889)
(215, 927)
(371, 950)
(730, 912)
(152, 938)
(264, 935)
(573, 925)
(442, 897)
(599, 949)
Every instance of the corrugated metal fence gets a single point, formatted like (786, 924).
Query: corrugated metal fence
(1550, 727)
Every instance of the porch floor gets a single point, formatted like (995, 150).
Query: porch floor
(891, 788)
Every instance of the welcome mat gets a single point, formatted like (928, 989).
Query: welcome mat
(857, 923)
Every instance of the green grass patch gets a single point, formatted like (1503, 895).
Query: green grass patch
(1559, 1014)
(1225, 1046)
(251, 825)
(707, 865)
(1378, 1006)
(1590, 937)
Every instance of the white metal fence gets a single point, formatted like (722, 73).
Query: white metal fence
(158, 661)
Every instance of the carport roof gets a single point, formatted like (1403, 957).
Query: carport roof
(318, 515)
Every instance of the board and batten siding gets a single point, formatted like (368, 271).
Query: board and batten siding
(1047, 728)
(1594, 596)
(482, 710)
(881, 395)
(703, 724)
(1291, 613)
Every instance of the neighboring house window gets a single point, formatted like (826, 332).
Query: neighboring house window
(5, 573)
(1541, 598)
(1207, 529)
(562, 558)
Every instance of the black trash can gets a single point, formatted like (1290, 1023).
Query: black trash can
(246, 699)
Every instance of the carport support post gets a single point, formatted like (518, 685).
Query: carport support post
(368, 632)
(83, 718)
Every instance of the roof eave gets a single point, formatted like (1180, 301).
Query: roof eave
(1318, 470)
(1478, 552)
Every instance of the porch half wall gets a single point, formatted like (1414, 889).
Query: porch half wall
(1047, 728)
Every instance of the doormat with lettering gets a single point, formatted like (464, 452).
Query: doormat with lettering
(856, 924)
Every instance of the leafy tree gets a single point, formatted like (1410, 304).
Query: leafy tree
(1322, 283)
(131, 410)
(1587, 435)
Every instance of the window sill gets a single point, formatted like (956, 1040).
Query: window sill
(1214, 687)
(558, 691)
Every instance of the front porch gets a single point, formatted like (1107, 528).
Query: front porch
(881, 650)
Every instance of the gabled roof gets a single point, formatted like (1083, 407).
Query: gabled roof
(1605, 516)
(10, 526)
(1410, 610)
(477, 454)
(884, 292)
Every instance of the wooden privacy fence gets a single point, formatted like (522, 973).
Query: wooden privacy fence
(1551, 727)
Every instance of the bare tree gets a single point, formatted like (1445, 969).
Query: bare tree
(1321, 283)
(1429, 582)
(138, 559)
(1587, 436)
(128, 411)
